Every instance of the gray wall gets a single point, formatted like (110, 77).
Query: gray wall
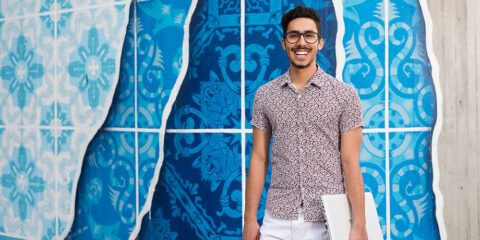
(456, 39)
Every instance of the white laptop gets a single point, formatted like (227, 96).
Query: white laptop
(338, 213)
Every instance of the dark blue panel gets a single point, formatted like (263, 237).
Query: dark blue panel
(159, 56)
(210, 94)
(106, 193)
(199, 194)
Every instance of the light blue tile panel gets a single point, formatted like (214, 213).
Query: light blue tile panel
(87, 63)
(412, 94)
(26, 71)
(15, 8)
(412, 203)
(364, 43)
(48, 83)
(27, 192)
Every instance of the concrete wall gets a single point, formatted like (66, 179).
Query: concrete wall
(456, 39)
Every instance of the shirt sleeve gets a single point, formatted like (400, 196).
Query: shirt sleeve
(259, 113)
(352, 115)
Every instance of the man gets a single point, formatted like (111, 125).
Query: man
(316, 121)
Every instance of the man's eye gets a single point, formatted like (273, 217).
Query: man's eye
(310, 35)
(293, 35)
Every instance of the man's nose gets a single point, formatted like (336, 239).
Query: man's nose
(301, 40)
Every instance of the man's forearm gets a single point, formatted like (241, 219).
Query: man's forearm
(355, 191)
(254, 188)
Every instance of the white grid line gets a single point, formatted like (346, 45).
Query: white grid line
(387, 123)
(55, 112)
(33, 15)
(242, 95)
(135, 70)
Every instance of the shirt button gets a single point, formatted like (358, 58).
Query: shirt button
(301, 150)
(300, 131)
(299, 95)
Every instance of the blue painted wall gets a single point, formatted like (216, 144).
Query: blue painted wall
(199, 190)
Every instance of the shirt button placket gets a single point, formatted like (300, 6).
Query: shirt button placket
(301, 155)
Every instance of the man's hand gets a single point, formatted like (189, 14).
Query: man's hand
(251, 231)
(358, 233)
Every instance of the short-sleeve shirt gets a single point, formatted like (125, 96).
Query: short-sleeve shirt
(306, 127)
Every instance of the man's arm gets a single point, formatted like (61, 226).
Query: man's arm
(255, 182)
(350, 145)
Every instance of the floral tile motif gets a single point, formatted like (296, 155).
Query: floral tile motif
(26, 71)
(14, 8)
(87, 63)
(27, 186)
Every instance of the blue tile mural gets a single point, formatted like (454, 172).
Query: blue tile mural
(412, 207)
(58, 70)
(364, 43)
(412, 96)
(210, 96)
(200, 190)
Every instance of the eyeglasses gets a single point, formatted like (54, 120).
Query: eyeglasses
(309, 37)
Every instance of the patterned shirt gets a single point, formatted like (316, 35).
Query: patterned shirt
(306, 127)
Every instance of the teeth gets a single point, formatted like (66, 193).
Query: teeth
(301, 53)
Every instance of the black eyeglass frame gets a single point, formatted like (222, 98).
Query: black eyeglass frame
(319, 36)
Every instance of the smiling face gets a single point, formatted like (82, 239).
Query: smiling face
(301, 53)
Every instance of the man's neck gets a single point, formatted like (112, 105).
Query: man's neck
(300, 76)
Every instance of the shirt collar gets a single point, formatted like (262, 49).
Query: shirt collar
(318, 78)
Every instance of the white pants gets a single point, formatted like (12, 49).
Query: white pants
(278, 228)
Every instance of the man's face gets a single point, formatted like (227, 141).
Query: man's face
(301, 53)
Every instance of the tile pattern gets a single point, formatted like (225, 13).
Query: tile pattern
(51, 101)
(58, 74)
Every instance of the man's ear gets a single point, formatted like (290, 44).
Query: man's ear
(320, 44)
(283, 44)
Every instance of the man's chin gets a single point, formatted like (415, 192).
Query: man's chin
(300, 66)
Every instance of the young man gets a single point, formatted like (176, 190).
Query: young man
(316, 121)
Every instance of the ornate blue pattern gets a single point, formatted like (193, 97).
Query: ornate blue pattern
(199, 191)
(91, 67)
(22, 71)
(23, 181)
(194, 165)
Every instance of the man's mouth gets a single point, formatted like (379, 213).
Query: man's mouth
(301, 52)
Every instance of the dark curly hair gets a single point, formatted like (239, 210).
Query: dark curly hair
(301, 12)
